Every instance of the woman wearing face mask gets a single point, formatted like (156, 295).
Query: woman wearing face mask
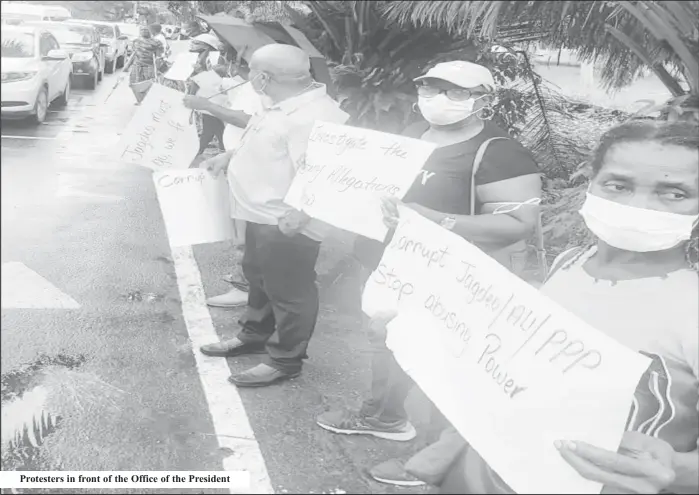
(638, 283)
(455, 99)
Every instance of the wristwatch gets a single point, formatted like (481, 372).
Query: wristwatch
(448, 222)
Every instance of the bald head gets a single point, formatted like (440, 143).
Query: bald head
(281, 61)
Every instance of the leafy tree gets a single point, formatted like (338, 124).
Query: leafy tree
(105, 11)
(374, 61)
(626, 37)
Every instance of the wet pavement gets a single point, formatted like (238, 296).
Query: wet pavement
(93, 337)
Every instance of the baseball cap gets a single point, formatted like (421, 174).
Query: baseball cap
(462, 73)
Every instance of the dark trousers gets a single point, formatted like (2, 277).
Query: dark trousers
(283, 296)
(210, 127)
(390, 385)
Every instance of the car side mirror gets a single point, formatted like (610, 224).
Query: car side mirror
(56, 55)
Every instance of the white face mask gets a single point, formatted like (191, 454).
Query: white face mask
(267, 101)
(635, 229)
(440, 110)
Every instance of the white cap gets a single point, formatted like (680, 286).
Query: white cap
(462, 73)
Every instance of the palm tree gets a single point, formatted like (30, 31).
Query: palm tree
(627, 37)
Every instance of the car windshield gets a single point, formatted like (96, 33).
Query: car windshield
(17, 45)
(130, 30)
(72, 35)
(105, 31)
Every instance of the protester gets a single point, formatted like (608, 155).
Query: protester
(639, 285)
(281, 244)
(207, 85)
(191, 30)
(455, 99)
(243, 102)
(157, 34)
(145, 52)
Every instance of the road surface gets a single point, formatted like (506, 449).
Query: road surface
(93, 316)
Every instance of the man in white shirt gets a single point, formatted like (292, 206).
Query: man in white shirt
(241, 103)
(281, 244)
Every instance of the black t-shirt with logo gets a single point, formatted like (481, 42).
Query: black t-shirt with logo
(444, 184)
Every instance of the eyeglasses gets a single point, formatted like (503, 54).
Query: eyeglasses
(456, 94)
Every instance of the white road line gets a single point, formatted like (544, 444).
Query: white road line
(23, 288)
(230, 420)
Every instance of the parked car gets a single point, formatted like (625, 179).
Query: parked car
(83, 44)
(35, 72)
(22, 11)
(115, 43)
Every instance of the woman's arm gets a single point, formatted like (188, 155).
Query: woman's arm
(505, 228)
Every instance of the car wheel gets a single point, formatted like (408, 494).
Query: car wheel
(110, 67)
(41, 106)
(63, 99)
(92, 83)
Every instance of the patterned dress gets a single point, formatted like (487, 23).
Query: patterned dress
(145, 51)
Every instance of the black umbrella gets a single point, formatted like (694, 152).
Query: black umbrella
(246, 38)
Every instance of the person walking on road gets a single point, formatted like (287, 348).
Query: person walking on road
(281, 244)
(145, 52)
(461, 195)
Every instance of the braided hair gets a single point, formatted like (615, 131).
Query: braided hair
(680, 133)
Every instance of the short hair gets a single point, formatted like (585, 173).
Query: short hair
(680, 133)
(156, 28)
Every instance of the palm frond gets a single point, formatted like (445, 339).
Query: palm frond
(666, 31)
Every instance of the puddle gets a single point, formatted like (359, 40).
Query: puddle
(38, 399)
(26, 418)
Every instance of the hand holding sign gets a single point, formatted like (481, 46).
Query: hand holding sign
(159, 135)
(217, 164)
(516, 371)
(389, 209)
(644, 464)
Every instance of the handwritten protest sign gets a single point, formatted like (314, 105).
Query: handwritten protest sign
(348, 169)
(183, 66)
(195, 206)
(511, 369)
(160, 135)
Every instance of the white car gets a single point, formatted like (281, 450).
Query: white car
(115, 41)
(35, 72)
(27, 12)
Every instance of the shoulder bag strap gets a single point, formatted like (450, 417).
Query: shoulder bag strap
(476, 165)
(538, 229)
